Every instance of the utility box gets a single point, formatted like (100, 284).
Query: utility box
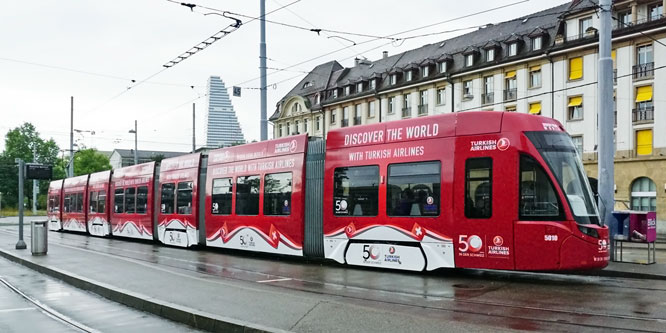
(39, 233)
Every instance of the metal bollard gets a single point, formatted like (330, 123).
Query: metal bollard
(39, 233)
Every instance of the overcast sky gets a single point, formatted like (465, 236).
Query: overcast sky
(124, 40)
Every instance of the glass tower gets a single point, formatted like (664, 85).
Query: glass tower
(222, 127)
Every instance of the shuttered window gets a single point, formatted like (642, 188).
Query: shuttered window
(644, 142)
(576, 68)
(535, 108)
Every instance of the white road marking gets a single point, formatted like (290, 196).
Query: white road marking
(274, 280)
(16, 309)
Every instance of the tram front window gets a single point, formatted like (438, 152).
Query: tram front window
(560, 154)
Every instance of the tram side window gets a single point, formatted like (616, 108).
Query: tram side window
(247, 195)
(141, 199)
(221, 200)
(56, 203)
(130, 203)
(478, 188)
(356, 191)
(93, 202)
(67, 206)
(119, 201)
(277, 194)
(167, 200)
(538, 199)
(101, 202)
(413, 189)
(184, 200)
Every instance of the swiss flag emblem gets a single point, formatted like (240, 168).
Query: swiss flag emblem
(224, 233)
(503, 144)
(417, 231)
(350, 230)
(273, 237)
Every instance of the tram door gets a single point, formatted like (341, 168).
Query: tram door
(483, 209)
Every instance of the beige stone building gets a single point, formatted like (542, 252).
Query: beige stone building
(544, 63)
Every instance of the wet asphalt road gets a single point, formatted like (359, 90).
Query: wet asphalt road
(453, 299)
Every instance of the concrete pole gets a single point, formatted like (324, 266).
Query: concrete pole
(20, 245)
(71, 140)
(194, 139)
(34, 184)
(0, 204)
(262, 69)
(136, 152)
(605, 106)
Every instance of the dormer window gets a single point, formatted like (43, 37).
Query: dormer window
(536, 43)
(393, 79)
(513, 49)
(359, 87)
(469, 60)
(335, 93)
(490, 55)
(308, 84)
(317, 99)
(442, 67)
(425, 71)
(347, 90)
(408, 75)
(373, 84)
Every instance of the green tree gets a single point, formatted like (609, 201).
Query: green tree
(89, 161)
(21, 142)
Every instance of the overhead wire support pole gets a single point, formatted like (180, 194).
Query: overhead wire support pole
(20, 245)
(71, 139)
(606, 168)
(194, 140)
(262, 69)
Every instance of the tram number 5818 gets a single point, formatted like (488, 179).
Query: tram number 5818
(550, 238)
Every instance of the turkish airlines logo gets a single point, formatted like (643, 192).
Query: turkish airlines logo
(293, 145)
(503, 144)
(498, 241)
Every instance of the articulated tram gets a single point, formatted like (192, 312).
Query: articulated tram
(492, 190)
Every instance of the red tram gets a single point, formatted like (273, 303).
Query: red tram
(54, 205)
(99, 223)
(75, 199)
(508, 192)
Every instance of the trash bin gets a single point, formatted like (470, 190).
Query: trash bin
(39, 233)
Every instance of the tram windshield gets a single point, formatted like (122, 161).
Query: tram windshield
(560, 154)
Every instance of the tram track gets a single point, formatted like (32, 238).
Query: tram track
(457, 304)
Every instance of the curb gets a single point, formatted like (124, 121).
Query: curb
(622, 274)
(174, 312)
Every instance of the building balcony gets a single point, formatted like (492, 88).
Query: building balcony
(645, 115)
(624, 25)
(423, 109)
(406, 112)
(643, 71)
(510, 94)
(488, 98)
(344, 123)
(357, 120)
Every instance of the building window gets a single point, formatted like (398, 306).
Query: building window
(296, 129)
(333, 116)
(644, 105)
(335, 93)
(513, 49)
(488, 97)
(221, 198)
(644, 142)
(279, 130)
(478, 187)
(510, 108)
(391, 104)
(535, 108)
(294, 108)
(413, 189)
(357, 114)
(643, 195)
(371, 109)
(536, 43)
(425, 71)
(318, 123)
(317, 99)
(373, 84)
(490, 55)
(308, 84)
(347, 90)
(655, 11)
(356, 191)
(423, 105)
(305, 125)
(624, 19)
(467, 90)
(576, 68)
(535, 77)
(406, 106)
(644, 54)
(288, 129)
(345, 116)
(359, 87)
(575, 108)
(442, 67)
(441, 96)
(394, 79)
(584, 24)
(277, 194)
(469, 60)
(408, 75)
(247, 195)
(511, 86)
(578, 143)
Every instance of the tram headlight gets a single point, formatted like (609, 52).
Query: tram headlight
(588, 231)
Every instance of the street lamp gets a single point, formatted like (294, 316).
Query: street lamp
(136, 156)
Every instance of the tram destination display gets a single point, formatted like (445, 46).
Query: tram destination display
(38, 171)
